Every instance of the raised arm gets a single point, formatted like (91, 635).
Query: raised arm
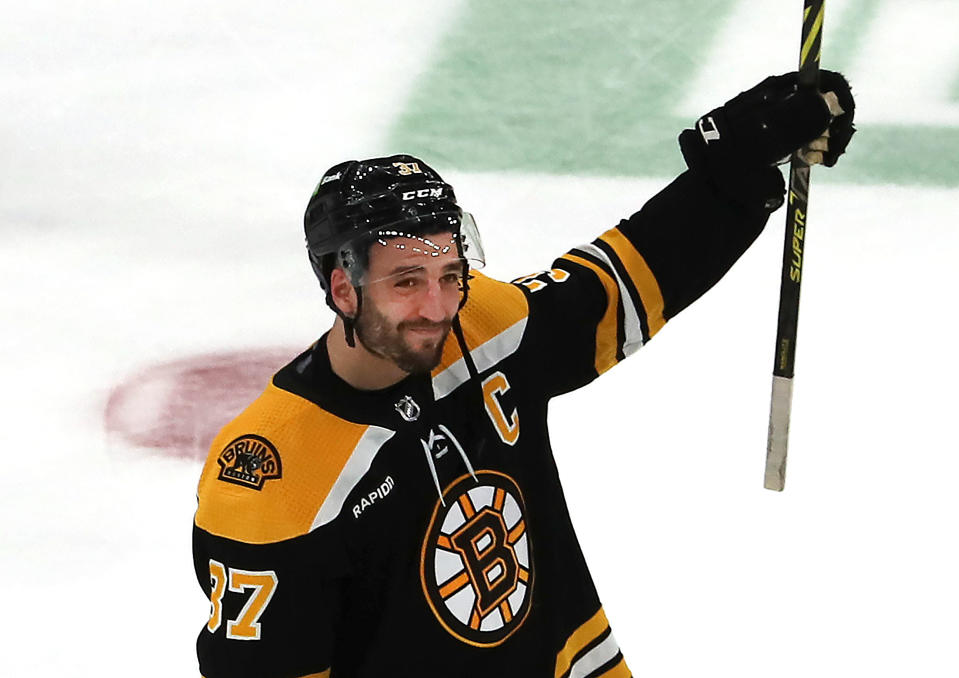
(603, 300)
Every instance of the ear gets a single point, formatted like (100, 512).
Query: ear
(343, 292)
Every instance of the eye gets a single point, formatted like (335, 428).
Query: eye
(450, 279)
(406, 284)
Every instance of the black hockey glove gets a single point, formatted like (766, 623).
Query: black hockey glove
(738, 144)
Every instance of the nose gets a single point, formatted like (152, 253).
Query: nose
(434, 304)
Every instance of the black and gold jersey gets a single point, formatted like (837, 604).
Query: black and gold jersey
(421, 530)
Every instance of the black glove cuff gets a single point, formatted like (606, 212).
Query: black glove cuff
(755, 187)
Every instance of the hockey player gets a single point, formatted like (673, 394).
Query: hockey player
(390, 505)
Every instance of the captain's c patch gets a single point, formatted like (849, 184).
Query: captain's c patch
(250, 461)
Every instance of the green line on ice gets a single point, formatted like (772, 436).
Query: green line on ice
(576, 87)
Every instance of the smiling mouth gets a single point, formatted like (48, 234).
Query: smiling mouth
(428, 331)
(433, 332)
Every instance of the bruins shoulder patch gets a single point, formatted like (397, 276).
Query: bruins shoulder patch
(250, 461)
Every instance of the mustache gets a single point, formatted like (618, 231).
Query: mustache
(426, 325)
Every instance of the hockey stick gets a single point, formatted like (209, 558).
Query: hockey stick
(793, 253)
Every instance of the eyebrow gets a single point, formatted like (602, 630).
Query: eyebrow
(451, 266)
(404, 269)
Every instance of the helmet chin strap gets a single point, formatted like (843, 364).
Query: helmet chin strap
(349, 323)
(348, 333)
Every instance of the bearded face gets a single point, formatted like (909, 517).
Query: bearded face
(409, 305)
(414, 345)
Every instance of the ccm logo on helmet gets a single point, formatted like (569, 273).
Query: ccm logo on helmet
(423, 193)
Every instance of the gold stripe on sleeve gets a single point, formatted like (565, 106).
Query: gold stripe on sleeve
(581, 637)
(642, 277)
(607, 340)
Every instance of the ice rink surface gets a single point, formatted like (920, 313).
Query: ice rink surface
(155, 160)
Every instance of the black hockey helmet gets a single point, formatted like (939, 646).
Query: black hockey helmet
(359, 202)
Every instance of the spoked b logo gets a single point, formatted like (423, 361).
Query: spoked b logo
(476, 564)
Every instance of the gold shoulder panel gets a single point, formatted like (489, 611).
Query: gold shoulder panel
(270, 469)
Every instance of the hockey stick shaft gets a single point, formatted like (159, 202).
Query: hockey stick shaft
(793, 258)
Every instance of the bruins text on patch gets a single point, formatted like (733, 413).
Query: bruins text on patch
(250, 461)
(476, 566)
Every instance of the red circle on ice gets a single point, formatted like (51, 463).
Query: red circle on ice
(177, 408)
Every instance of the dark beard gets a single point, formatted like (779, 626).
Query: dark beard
(376, 335)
